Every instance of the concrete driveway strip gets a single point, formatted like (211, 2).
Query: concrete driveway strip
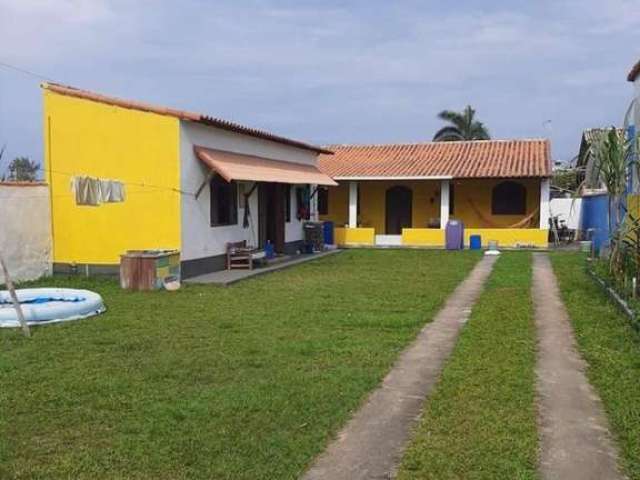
(371, 444)
(574, 433)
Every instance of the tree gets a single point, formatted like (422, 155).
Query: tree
(22, 169)
(463, 127)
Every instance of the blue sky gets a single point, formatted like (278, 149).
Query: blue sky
(327, 71)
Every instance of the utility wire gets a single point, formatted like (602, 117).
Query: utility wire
(25, 71)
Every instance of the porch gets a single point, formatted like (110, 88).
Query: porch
(414, 213)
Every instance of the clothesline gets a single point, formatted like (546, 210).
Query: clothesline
(136, 184)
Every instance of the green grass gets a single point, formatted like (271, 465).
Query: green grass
(611, 348)
(244, 382)
(480, 422)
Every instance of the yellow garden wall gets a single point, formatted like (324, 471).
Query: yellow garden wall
(139, 148)
(428, 237)
(510, 237)
(354, 236)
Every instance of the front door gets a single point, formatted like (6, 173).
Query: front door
(271, 206)
(398, 211)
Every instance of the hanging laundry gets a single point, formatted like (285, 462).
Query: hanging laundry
(87, 191)
(111, 191)
(94, 191)
(117, 191)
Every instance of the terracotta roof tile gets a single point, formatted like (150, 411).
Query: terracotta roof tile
(471, 159)
(181, 114)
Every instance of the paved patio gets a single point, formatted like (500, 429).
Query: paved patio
(228, 277)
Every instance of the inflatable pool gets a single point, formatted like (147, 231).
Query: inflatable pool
(42, 306)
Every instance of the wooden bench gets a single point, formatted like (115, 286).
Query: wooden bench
(240, 256)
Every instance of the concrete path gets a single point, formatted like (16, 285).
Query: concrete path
(371, 444)
(228, 277)
(574, 435)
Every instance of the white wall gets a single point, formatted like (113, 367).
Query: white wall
(568, 209)
(25, 230)
(199, 239)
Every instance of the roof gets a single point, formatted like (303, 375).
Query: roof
(22, 183)
(236, 166)
(589, 136)
(469, 159)
(180, 114)
(635, 71)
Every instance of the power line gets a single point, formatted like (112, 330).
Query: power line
(25, 71)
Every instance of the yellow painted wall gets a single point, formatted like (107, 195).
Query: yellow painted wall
(338, 205)
(472, 203)
(426, 203)
(99, 140)
(478, 193)
(354, 236)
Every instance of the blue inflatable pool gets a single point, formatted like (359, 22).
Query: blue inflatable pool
(42, 306)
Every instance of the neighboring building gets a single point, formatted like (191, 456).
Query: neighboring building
(174, 180)
(405, 194)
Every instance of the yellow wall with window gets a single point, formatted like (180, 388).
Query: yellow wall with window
(141, 149)
(473, 203)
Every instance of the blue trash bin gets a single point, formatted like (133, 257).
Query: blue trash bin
(327, 230)
(475, 242)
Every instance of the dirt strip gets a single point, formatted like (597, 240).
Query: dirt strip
(574, 432)
(371, 444)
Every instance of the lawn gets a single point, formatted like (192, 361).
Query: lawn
(612, 349)
(244, 382)
(480, 422)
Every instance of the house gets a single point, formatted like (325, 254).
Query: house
(404, 194)
(127, 175)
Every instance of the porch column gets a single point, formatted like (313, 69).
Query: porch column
(444, 203)
(545, 190)
(353, 204)
(313, 204)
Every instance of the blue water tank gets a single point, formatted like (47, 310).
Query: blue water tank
(327, 230)
(475, 242)
(595, 219)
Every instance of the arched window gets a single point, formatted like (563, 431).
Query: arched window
(509, 198)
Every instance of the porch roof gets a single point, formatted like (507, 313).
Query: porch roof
(439, 160)
(235, 166)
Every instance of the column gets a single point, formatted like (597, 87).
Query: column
(313, 204)
(545, 190)
(444, 203)
(353, 204)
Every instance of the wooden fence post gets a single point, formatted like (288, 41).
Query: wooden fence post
(14, 298)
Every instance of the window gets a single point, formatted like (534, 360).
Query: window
(287, 203)
(509, 198)
(224, 202)
(323, 201)
(452, 198)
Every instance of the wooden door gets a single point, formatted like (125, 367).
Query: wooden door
(398, 209)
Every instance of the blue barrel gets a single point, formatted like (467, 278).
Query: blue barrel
(327, 230)
(475, 242)
(595, 219)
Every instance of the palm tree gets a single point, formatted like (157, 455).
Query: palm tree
(463, 127)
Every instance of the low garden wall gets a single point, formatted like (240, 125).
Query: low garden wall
(25, 229)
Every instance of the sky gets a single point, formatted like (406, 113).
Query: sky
(326, 71)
